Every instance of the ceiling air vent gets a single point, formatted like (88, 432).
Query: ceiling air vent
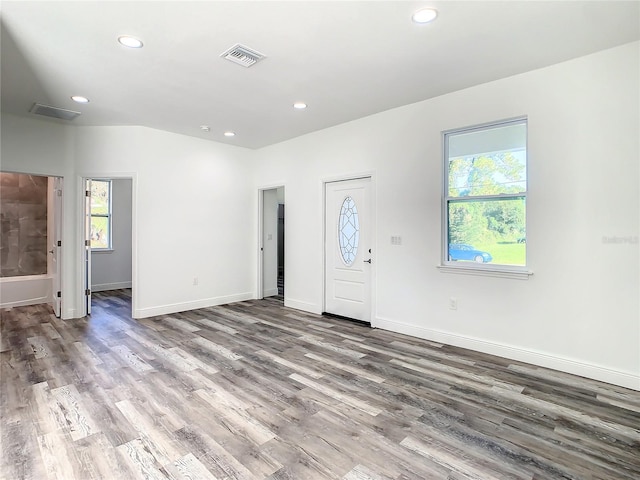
(242, 55)
(53, 112)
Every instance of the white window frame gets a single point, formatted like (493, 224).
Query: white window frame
(108, 216)
(485, 269)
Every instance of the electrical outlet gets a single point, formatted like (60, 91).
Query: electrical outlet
(195, 281)
(453, 303)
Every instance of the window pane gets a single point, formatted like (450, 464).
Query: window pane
(100, 232)
(487, 162)
(99, 197)
(487, 231)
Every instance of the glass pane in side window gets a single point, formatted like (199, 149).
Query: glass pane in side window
(487, 231)
(99, 232)
(99, 197)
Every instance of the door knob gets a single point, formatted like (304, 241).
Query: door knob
(367, 261)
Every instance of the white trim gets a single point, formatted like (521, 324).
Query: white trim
(485, 272)
(489, 271)
(80, 310)
(110, 286)
(304, 306)
(567, 365)
(194, 305)
(259, 266)
(259, 294)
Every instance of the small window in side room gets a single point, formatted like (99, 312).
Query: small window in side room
(485, 196)
(101, 215)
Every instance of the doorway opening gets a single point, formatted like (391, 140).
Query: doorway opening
(271, 267)
(31, 243)
(108, 242)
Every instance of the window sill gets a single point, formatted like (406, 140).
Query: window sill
(486, 272)
(102, 250)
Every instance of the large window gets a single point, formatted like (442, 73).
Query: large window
(485, 195)
(101, 214)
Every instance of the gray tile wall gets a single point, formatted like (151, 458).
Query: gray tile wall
(23, 224)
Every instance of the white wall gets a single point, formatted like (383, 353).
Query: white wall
(195, 214)
(186, 226)
(579, 312)
(192, 214)
(111, 269)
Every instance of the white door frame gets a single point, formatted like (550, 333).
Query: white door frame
(374, 249)
(260, 254)
(82, 273)
(57, 201)
(86, 246)
(58, 227)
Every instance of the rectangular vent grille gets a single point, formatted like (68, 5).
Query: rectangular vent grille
(242, 55)
(53, 112)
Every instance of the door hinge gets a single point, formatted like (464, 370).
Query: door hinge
(59, 295)
(87, 193)
(87, 292)
(87, 243)
(59, 193)
(59, 243)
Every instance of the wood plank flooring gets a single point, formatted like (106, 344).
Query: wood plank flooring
(254, 390)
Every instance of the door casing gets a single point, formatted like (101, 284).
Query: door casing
(260, 253)
(54, 246)
(83, 273)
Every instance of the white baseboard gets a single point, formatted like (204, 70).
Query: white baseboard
(595, 372)
(270, 292)
(194, 305)
(103, 287)
(304, 306)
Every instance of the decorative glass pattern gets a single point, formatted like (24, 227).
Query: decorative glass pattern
(348, 231)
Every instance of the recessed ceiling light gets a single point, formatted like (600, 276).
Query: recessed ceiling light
(300, 105)
(424, 15)
(205, 128)
(229, 134)
(80, 99)
(129, 41)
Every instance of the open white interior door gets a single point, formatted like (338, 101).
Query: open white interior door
(56, 246)
(348, 256)
(87, 245)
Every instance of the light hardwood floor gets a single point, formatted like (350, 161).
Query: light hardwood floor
(254, 390)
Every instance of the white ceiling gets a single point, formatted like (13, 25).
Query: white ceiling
(346, 60)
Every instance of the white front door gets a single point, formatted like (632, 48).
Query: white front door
(348, 214)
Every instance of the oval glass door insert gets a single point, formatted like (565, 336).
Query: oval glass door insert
(348, 231)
